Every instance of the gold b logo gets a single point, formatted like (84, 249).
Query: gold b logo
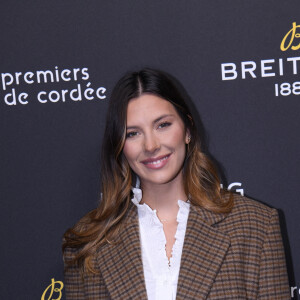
(288, 40)
(51, 288)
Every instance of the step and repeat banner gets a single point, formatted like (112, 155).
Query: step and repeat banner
(239, 62)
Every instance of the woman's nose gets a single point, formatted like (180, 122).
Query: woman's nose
(151, 143)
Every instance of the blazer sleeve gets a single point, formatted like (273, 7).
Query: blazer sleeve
(74, 286)
(273, 279)
(82, 287)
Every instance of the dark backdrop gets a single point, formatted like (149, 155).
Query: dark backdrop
(50, 149)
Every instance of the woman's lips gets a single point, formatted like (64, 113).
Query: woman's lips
(157, 162)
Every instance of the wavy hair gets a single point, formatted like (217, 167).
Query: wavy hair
(201, 180)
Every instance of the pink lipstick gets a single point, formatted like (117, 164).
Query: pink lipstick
(156, 162)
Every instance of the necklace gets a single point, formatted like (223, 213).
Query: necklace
(165, 220)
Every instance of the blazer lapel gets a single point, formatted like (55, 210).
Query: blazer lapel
(121, 265)
(203, 252)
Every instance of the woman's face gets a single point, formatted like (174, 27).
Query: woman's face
(156, 139)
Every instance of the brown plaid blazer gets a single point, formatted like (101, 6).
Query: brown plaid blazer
(235, 256)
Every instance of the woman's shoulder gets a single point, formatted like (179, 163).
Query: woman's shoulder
(246, 204)
(251, 212)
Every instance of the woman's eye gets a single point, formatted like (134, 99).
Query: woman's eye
(164, 124)
(131, 134)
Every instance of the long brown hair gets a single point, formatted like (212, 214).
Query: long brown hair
(201, 180)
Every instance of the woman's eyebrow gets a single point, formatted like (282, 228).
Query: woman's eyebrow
(132, 127)
(154, 122)
(162, 117)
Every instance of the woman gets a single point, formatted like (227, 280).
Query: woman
(164, 229)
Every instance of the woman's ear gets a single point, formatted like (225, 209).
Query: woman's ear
(187, 137)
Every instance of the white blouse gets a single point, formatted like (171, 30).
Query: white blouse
(161, 275)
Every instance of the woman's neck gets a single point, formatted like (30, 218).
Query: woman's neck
(164, 197)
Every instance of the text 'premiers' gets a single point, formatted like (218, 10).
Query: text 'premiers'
(10, 82)
(270, 67)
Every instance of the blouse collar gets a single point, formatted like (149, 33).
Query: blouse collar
(138, 194)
